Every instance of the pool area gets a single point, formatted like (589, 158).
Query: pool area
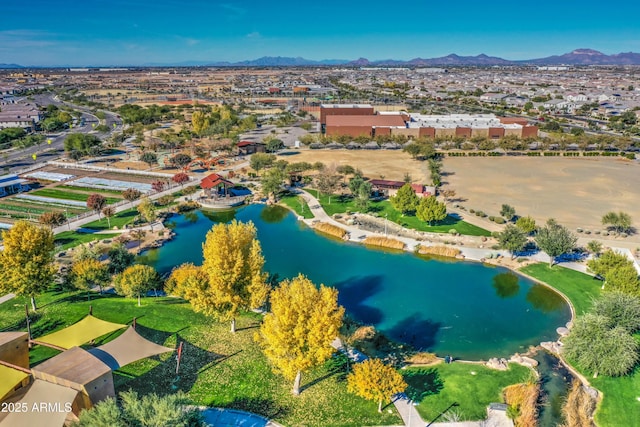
(466, 309)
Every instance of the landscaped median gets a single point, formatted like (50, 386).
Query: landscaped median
(620, 404)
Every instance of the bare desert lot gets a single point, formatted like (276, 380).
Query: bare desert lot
(574, 191)
(373, 163)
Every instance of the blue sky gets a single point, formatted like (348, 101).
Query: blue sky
(134, 32)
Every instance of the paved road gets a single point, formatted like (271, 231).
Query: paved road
(15, 160)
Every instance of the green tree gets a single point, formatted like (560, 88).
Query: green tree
(271, 182)
(149, 158)
(363, 196)
(430, 210)
(82, 144)
(119, 259)
(622, 309)
(526, 224)
(624, 279)
(149, 410)
(608, 261)
(405, 200)
(274, 144)
(297, 334)
(26, 263)
(594, 345)
(180, 160)
(373, 380)
(512, 239)
(594, 247)
(259, 161)
(508, 212)
(555, 240)
(354, 184)
(621, 221)
(137, 280)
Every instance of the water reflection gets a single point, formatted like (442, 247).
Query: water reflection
(225, 216)
(506, 284)
(273, 214)
(544, 299)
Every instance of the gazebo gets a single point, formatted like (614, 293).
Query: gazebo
(215, 186)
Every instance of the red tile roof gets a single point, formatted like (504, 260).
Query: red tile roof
(213, 180)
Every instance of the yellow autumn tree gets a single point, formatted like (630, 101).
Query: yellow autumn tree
(200, 122)
(26, 263)
(87, 273)
(297, 334)
(373, 380)
(187, 281)
(233, 265)
(137, 280)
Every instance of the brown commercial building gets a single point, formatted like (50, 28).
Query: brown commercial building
(344, 110)
(362, 125)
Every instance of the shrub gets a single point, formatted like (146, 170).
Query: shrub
(423, 358)
(523, 398)
(492, 218)
(500, 220)
(472, 211)
(453, 232)
(331, 229)
(439, 250)
(384, 242)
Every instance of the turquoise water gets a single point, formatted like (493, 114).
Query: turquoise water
(465, 309)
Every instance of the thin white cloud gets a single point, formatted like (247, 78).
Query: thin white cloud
(254, 35)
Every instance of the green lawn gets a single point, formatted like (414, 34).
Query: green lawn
(218, 368)
(298, 205)
(620, 405)
(343, 204)
(472, 386)
(67, 195)
(118, 220)
(88, 189)
(580, 288)
(70, 239)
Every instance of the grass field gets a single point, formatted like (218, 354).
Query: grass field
(68, 195)
(298, 205)
(339, 204)
(118, 220)
(218, 368)
(580, 288)
(472, 386)
(620, 405)
(70, 239)
(88, 189)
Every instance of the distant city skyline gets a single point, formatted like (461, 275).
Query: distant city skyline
(138, 32)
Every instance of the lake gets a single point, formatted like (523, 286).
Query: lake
(466, 309)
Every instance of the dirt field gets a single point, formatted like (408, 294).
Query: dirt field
(575, 191)
(373, 163)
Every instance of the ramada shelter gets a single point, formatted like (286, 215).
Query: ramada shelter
(56, 390)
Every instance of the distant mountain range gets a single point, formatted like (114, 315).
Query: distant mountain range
(576, 57)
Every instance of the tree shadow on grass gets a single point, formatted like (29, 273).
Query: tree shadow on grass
(352, 294)
(162, 378)
(422, 383)
(416, 331)
(267, 408)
